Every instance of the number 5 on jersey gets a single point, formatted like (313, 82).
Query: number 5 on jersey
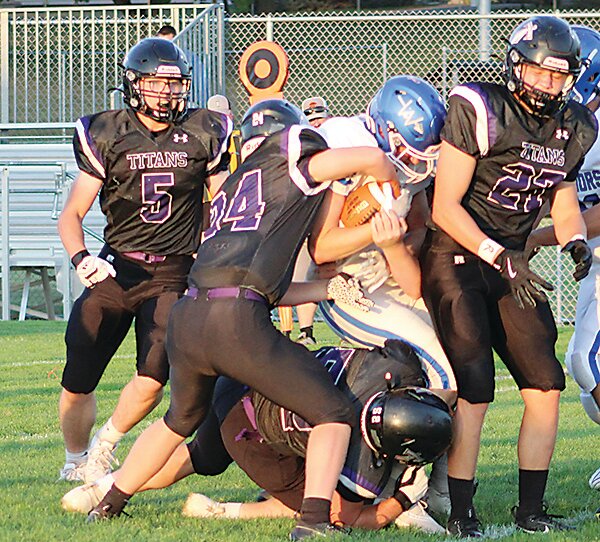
(245, 209)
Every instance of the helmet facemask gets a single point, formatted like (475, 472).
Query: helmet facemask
(414, 164)
(169, 92)
(541, 104)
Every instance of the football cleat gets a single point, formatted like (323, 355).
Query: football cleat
(418, 518)
(595, 480)
(316, 530)
(305, 340)
(100, 460)
(82, 499)
(201, 506)
(539, 522)
(72, 472)
(469, 527)
(103, 512)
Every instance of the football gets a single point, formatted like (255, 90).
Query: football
(361, 204)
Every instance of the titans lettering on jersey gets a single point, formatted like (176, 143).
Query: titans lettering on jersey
(261, 216)
(519, 159)
(156, 160)
(152, 184)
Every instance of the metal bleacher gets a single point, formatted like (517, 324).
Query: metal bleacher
(36, 178)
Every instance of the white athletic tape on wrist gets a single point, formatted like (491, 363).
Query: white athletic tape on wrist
(232, 509)
(488, 250)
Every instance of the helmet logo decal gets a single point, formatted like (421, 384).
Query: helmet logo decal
(554, 63)
(166, 70)
(258, 118)
(525, 33)
(407, 113)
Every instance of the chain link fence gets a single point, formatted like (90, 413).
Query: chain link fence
(344, 57)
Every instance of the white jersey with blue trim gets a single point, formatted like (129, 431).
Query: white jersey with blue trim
(583, 354)
(588, 185)
(395, 315)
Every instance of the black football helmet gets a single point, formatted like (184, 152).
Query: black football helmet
(269, 117)
(412, 425)
(546, 42)
(158, 59)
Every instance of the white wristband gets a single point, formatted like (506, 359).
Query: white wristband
(488, 250)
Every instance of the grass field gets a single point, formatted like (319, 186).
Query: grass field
(31, 453)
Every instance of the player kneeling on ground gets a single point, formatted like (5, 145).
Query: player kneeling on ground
(401, 423)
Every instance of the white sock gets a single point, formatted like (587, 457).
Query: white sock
(105, 483)
(75, 457)
(232, 509)
(108, 433)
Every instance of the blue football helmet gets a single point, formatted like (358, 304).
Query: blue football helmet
(588, 83)
(406, 117)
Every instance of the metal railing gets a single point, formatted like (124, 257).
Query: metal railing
(57, 64)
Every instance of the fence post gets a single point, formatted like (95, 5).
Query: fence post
(5, 248)
(221, 48)
(269, 28)
(4, 58)
(484, 31)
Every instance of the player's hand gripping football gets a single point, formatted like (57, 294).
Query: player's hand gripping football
(345, 289)
(582, 256)
(524, 283)
(387, 229)
(92, 270)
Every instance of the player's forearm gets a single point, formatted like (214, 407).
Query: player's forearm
(569, 226)
(338, 243)
(336, 164)
(71, 232)
(405, 269)
(378, 516)
(304, 292)
(458, 224)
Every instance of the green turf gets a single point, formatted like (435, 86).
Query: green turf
(31, 453)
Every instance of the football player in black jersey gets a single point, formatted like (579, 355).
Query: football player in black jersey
(401, 421)
(259, 220)
(506, 149)
(150, 163)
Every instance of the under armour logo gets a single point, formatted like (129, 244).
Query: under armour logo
(180, 138)
(459, 259)
(562, 134)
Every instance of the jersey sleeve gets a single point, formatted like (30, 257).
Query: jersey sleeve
(467, 125)
(213, 131)
(302, 144)
(88, 147)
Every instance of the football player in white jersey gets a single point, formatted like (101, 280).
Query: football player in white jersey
(404, 119)
(582, 357)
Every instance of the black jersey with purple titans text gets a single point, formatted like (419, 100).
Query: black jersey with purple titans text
(520, 157)
(152, 183)
(261, 216)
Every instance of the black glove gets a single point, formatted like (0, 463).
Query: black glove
(582, 256)
(514, 267)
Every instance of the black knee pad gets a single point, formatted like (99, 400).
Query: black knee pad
(183, 424)
(340, 411)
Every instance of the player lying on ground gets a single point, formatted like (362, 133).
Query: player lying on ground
(407, 425)
(506, 150)
(582, 354)
(259, 219)
(403, 119)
